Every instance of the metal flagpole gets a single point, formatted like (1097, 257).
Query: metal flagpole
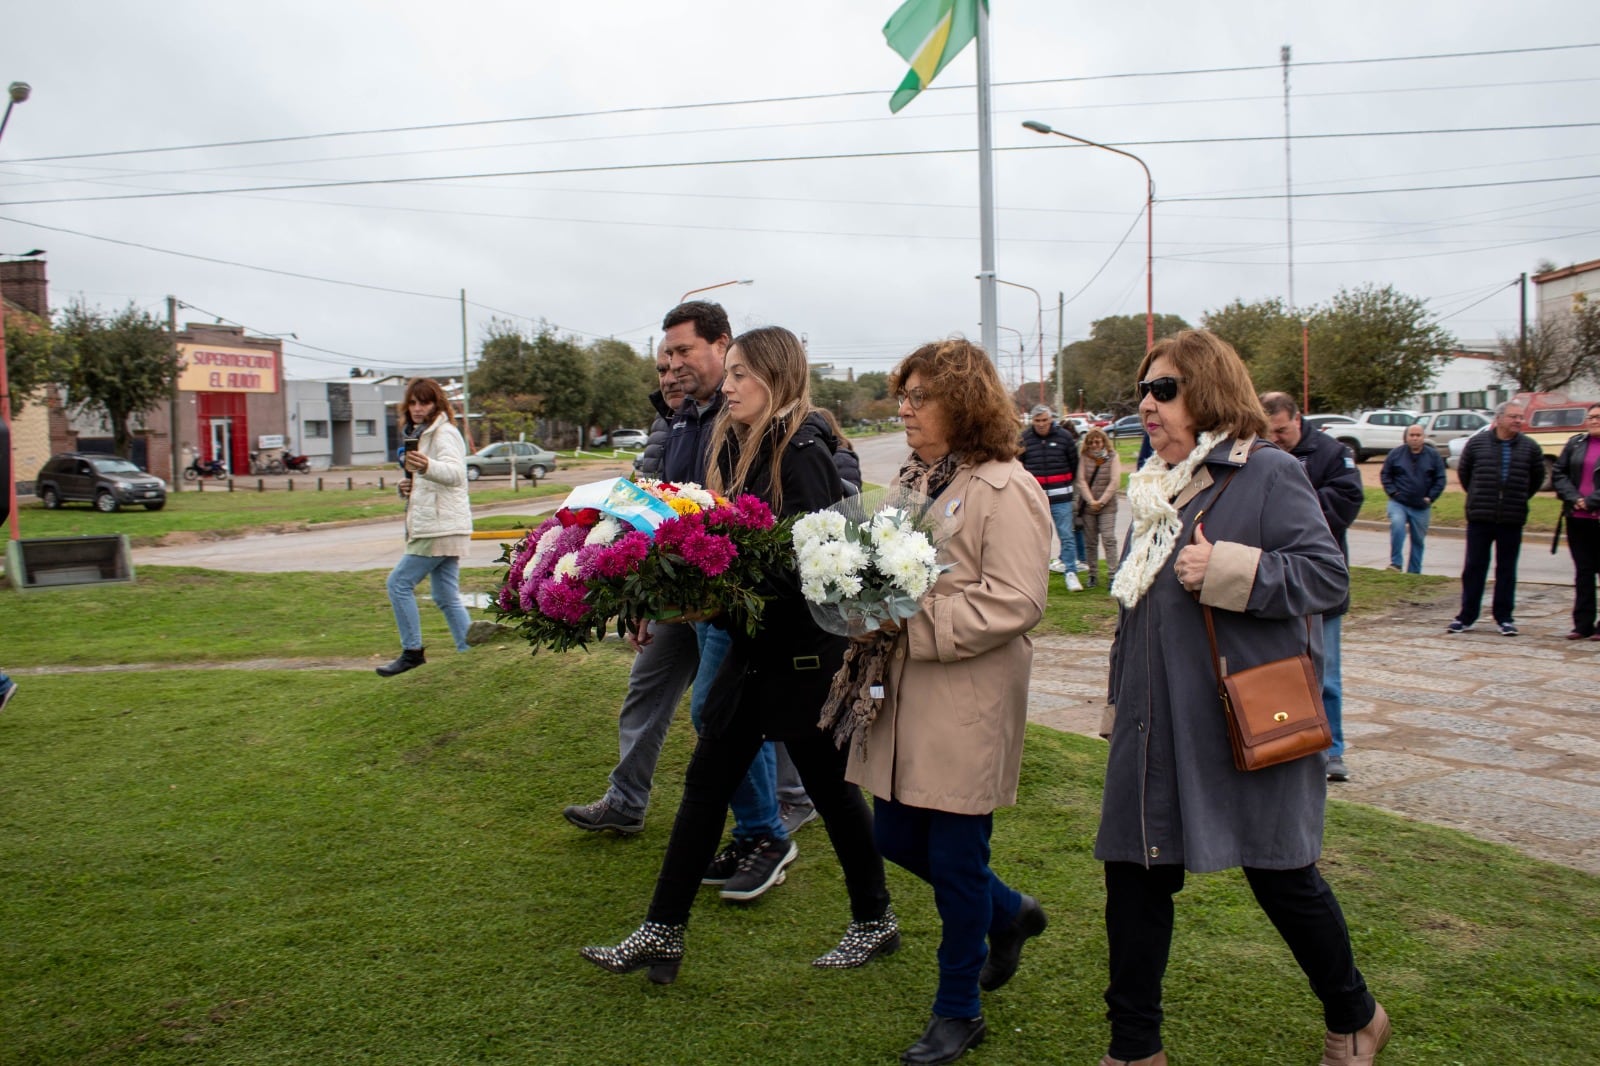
(988, 302)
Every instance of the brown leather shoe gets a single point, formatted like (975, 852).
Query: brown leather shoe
(1358, 1048)
(1158, 1059)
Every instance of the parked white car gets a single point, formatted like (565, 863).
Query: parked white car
(1459, 444)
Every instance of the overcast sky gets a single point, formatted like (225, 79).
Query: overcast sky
(580, 172)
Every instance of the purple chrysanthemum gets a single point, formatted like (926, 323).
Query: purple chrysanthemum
(563, 600)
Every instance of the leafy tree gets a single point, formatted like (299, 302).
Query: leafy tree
(1104, 366)
(1368, 347)
(117, 367)
(30, 356)
(875, 383)
(623, 381)
(1373, 347)
(845, 399)
(539, 375)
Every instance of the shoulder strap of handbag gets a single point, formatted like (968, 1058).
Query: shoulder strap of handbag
(1211, 629)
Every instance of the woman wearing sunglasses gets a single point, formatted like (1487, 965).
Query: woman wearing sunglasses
(939, 742)
(1261, 557)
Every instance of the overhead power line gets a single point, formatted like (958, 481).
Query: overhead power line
(800, 98)
(823, 157)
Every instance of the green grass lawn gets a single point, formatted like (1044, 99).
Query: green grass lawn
(220, 512)
(1450, 510)
(316, 866)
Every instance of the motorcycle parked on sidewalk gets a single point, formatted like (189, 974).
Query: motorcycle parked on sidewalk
(299, 464)
(269, 464)
(197, 470)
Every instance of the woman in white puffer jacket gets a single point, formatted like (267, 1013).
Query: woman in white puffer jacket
(438, 522)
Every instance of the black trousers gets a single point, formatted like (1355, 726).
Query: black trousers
(1139, 918)
(1583, 540)
(715, 770)
(1506, 541)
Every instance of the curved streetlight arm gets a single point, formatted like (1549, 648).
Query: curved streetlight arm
(718, 285)
(1038, 325)
(1149, 222)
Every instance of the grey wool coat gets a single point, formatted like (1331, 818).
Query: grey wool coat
(1172, 795)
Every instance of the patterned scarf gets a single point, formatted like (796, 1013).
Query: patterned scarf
(851, 708)
(1154, 533)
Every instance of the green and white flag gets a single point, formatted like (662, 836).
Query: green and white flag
(928, 34)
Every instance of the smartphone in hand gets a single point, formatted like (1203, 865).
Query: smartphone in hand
(410, 446)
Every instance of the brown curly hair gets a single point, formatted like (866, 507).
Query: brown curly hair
(962, 377)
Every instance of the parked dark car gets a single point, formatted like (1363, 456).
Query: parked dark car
(1126, 426)
(110, 482)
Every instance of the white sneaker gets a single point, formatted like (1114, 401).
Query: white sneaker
(1057, 566)
(1083, 567)
(1073, 584)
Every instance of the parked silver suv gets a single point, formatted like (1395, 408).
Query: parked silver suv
(1439, 428)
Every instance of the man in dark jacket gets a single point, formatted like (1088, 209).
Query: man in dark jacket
(666, 400)
(1337, 483)
(1413, 477)
(1049, 454)
(674, 656)
(1500, 470)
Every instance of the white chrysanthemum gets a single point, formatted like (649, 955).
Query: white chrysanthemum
(605, 531)
(546, 542)
(566, 566)
(831, 566)
(698, 495)
(909, 561)
(887, 524)
(817, 527)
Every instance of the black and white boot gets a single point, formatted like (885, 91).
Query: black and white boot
(653, 944)
(863, 942)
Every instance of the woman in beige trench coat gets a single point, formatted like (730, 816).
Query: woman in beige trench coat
(945, 746)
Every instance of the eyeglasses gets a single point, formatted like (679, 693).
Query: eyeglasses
(1165, 390)
(916, 398)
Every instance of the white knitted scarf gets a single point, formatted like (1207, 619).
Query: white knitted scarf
(1154, 533)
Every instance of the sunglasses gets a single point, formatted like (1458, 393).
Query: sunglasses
(1165, 390)
(916, 398)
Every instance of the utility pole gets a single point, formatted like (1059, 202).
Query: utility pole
(1061, 343)
(466, 395)
(172, 407)
(1522, 335)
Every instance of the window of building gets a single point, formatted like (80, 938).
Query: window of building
(317, 429)
(1474, 399)
(366, 427)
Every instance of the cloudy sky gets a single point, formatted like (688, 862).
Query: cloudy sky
(586, 164)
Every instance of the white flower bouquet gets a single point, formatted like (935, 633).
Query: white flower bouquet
(864, 566)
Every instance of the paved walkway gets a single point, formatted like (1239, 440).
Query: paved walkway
(1496, 736)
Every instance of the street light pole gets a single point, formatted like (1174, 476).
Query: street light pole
(17, 93)
(1149, 225)
(1038, 324)
(718, 285)
(1022, 350)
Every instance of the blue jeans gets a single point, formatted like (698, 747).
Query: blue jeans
(951, 853)
(755, 800)
(1333, 682)
(1401, 520)
(1061, 515)
(443, 574)
(660, 674)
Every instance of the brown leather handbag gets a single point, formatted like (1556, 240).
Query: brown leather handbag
(1274, 711)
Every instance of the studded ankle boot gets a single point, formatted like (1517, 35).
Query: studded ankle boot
(653, 944)
(863, 942)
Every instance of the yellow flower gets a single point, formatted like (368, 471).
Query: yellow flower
(683, 506)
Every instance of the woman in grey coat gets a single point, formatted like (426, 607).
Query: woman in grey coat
(1263, 559)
